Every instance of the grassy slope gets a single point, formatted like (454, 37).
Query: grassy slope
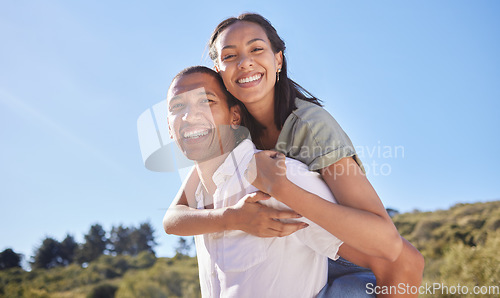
(460, 247)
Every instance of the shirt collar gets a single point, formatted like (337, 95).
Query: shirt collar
(238, 158)
(199, 197)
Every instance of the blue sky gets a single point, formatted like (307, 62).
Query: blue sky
(415, 84)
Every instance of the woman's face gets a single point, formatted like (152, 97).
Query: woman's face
(247, 63)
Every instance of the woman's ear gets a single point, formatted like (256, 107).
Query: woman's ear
(279, 59)
(235, 116)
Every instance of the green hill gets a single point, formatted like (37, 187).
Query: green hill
(123, 276)
(460, 246)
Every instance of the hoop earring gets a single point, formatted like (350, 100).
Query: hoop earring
(278, 75)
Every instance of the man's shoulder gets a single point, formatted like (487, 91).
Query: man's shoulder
(311, 181)
(296, 168)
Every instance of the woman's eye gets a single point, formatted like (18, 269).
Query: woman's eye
(207, 100)
(257, 49)
(225, 57)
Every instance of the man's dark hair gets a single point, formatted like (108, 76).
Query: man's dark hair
(230, 99)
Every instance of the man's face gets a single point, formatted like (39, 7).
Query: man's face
(199, 118)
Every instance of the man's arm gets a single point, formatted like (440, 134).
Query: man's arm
(183, 219)
(247, 215)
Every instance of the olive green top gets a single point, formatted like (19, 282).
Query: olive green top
(311, 135)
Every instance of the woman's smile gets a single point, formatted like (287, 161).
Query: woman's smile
(250, 81)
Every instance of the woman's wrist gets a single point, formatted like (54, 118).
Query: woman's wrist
(279, 187)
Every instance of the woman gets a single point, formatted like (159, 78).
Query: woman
(249, 55)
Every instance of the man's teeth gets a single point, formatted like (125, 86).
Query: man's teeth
(250, 79)
(195, 134)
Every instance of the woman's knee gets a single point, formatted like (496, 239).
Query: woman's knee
(413, 261)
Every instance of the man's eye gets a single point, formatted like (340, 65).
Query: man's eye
(176, 106)
(207, 100)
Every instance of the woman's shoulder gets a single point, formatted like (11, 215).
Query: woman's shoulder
(308, 111)
(311, 125)
(310, 116)
(311, 135)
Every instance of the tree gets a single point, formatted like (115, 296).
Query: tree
(143, 239)
(68, 250)
(132, 241)
(183, 247)
(94, 246)
(120, 240)
(392, 212)
(9, 259)
(48, 255)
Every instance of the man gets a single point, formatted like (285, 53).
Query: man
(204, 121)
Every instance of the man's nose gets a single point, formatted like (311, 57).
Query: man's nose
(193, 112)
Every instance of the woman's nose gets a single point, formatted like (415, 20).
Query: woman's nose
(245, 62)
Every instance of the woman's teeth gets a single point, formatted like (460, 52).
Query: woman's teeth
(250, 79)
(195, 134)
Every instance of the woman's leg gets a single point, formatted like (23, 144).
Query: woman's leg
(346, 279)
(404, 273)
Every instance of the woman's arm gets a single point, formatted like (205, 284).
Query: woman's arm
(361, 221)
(248, 215)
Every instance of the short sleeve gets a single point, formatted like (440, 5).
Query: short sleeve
(310, 134)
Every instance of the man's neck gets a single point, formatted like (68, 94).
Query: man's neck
(206, 170)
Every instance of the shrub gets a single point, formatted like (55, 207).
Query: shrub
(103, 291)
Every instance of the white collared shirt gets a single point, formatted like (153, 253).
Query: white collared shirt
(237, 264)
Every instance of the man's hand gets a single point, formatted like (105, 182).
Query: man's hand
(254, 218)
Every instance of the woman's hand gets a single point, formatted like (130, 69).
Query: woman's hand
(267, 171)
(254, 218)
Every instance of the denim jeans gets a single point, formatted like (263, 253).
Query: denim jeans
(346, 279)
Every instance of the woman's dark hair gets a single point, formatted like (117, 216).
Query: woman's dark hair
(285, 90)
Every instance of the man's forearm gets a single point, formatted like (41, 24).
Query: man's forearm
(186, 221)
